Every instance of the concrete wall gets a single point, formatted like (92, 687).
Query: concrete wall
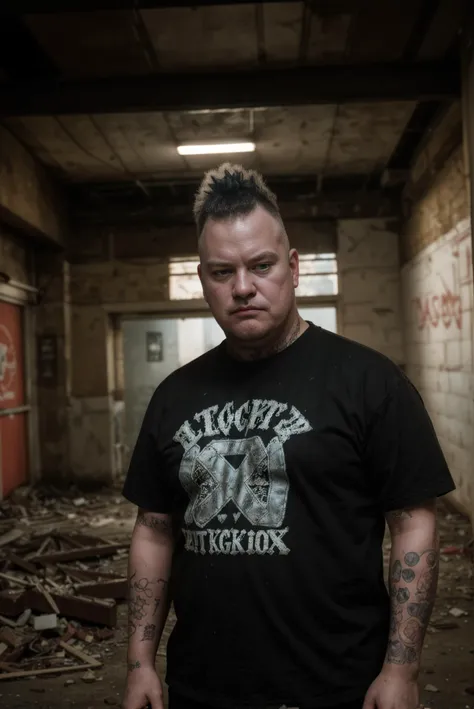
(437, 295)
(28, 198)
(15, 260)
(369, 267)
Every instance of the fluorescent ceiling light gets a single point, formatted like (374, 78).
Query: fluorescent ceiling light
(216, 148)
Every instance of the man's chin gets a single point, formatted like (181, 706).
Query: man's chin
(248, 332)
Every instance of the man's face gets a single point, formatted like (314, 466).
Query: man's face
(247, 274)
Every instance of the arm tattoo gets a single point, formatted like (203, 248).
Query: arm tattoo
(155, 522)
(411, 604)
(143, 592)
(396, 518)
(149, 632)
(133, 666)
(400, 514)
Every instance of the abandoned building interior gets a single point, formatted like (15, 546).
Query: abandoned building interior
(360, 114)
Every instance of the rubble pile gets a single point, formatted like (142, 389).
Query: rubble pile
(58, 588)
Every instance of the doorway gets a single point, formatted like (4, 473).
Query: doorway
(13, 408)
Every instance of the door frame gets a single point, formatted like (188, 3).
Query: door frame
(197, 307)
(24, 296)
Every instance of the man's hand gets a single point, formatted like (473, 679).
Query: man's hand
(143, 688)
(391, 691)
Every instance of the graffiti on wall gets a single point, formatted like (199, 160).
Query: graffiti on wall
(450, 269)
(8, 365)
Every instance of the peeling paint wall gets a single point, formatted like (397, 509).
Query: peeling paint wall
(369, 267)
(437, 304)
(91, 439)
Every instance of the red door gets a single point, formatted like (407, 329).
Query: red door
(13, 439)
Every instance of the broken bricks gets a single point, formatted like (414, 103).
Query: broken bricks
(45, 622)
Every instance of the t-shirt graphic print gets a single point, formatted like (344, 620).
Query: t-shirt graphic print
(240, 474)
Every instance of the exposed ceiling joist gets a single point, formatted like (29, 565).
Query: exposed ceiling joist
(60, 6)
(250, 89)
(21, 56)
(326, 205)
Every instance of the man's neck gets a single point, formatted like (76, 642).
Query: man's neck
(250, 352)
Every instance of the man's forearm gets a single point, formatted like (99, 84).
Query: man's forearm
(413, 579)
(150, 559)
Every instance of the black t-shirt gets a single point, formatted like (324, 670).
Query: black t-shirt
(278, 474)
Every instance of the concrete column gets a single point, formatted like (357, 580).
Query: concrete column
(91, 419)
(369, 271)
(52, 326)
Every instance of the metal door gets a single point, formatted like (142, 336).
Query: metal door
(13, 409)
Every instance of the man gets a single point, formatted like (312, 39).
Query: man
(264, 473)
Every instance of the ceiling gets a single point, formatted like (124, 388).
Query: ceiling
(339, 92)
(328, 140)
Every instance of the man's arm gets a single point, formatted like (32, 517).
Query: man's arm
(149, 567)
(413, 579)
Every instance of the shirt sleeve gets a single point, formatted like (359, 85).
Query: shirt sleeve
(145, 483)
(404, 454)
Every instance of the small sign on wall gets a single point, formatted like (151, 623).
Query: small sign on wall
(47, 359)
(154, 346)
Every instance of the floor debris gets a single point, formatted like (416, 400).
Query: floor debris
(50, 523)
(58, 592)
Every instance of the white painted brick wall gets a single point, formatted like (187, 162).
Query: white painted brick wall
(437, 294)
(369, 267)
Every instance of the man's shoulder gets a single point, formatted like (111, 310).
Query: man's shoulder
(354, 369)
(354, 354)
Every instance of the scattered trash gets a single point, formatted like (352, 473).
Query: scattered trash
(58, 592)
(444, 625)
(45, 622)
(88, 677)
(457, 612)
(431, 688)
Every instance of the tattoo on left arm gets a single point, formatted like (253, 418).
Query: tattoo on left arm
(413, 582)
(149, 632)
(144, 599)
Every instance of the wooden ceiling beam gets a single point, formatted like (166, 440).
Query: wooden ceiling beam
(325, 7)
(238, 89)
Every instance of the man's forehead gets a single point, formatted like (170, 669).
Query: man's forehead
(220, 256)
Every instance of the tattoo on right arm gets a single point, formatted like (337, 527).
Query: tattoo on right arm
(133, 666)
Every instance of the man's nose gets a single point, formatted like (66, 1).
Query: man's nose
(244, 286)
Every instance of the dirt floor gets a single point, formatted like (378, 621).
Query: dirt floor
(448, 660)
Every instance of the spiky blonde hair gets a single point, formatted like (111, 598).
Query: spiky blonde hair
(232, 191)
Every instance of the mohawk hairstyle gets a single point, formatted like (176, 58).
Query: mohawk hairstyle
(232, 191)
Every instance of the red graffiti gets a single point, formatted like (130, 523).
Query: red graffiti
(445, 308)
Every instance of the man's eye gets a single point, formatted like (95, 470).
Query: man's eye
(262, 267)
(221, 273)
